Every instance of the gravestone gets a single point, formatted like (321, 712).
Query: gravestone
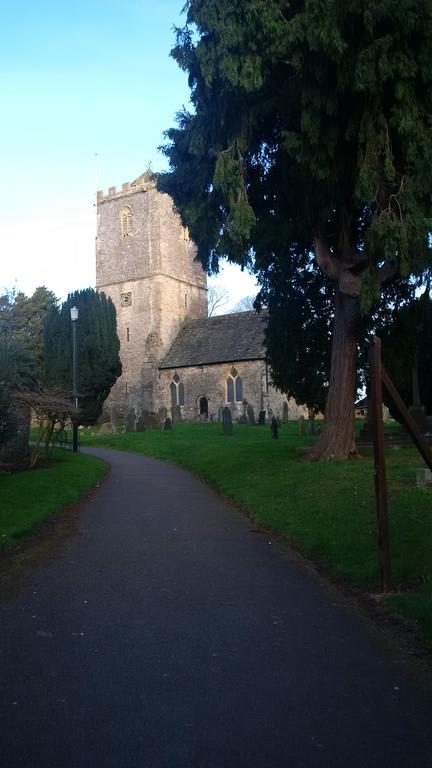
(423, 477)
(250, 415)
(130, 420)
(301, 425)
(261, 417)
(167, 424)
(140, 423)
(274, 428)
(227, 421)
(107, 429)
(285, 412)
(176, 415)
(150, 420)
(243, 419)
(162, 414)
(219, 416)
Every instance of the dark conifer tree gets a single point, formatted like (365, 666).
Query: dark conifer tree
(98, 361)
(407, 346)
(311, 132)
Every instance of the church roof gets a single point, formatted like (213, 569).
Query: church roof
(223, 339)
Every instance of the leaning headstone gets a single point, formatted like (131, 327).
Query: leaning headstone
(130, 420)
(140, 423)
(261, 417)
(227, 421)
(162, 414)
(250, 415)
(150, 420)
(176, 415)
(107, 429)
(301, 425)
(274, 428)
(167, 424)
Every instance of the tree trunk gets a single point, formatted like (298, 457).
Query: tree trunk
(337, 440)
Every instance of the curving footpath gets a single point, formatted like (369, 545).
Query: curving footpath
(165, 631)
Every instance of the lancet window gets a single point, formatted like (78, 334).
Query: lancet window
(177, 391)
(234, 387)
(126, 221)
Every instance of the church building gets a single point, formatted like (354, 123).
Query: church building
(172, 353)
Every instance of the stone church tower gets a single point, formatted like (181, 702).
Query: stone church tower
(145, 264)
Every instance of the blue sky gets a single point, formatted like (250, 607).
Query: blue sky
(79, 80)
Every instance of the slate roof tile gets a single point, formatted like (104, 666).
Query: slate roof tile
(221, 339)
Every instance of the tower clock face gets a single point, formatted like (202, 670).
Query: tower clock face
(126, 299)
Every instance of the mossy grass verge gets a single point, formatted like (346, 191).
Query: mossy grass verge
(327, 510)
(28, 498)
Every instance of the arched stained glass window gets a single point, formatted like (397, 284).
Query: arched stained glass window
(238, 389)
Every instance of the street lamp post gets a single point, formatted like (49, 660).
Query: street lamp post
(74, 318)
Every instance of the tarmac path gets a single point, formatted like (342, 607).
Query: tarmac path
(162, 630)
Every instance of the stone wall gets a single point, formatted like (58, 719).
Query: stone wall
(210, 381)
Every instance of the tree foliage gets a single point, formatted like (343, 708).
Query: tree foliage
(406, 344)
(51, 412)
(98, 362)
(17, 374)
(23, 319)
(298, 333)
(311, 130)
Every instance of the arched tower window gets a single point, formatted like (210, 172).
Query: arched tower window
(234, 387)
(177, 391)
(126, 221)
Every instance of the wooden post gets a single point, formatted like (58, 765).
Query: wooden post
(407, 419)
(380, 468)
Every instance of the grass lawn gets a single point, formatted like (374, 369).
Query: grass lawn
(327, 510)
(28, 498)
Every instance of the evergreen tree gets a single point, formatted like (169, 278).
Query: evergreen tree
(98, 362)
(298, 332)
(17, 375)
(23, 319)
(407, 345)
(311, 131)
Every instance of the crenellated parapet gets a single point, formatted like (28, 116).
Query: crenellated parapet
(146, 181)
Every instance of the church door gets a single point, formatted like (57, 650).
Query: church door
(203, 407)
